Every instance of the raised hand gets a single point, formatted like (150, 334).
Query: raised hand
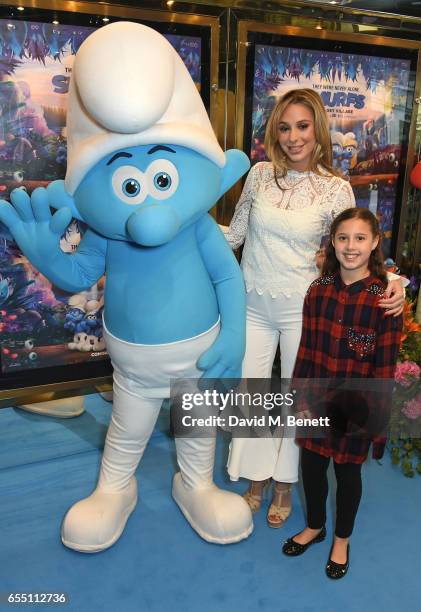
(35, 230)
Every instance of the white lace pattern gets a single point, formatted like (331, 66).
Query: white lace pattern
(281, 228)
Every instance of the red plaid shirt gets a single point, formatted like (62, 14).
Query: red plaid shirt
(346, 335)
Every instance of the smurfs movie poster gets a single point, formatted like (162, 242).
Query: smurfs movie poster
(39, 324)
(366, 98)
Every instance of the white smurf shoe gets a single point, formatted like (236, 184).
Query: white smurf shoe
(218, 516)
(96, 522)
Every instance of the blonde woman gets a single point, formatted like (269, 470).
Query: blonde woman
(286, 206)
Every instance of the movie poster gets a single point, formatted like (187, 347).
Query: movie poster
(366, 98)
(40, 325)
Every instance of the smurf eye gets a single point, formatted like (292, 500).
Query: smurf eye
(162, 179)
(130, 185)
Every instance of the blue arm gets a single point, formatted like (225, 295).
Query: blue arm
(224, 358)
(37, 234)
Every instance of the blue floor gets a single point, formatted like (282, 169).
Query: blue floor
(159, 563)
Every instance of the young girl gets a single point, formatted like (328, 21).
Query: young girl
(345, 335)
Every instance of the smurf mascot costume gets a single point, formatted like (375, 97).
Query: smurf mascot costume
(144, 168)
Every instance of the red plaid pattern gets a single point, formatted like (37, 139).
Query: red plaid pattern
(346, 335)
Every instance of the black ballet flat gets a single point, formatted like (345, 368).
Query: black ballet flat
(336, 571)
(291, 548)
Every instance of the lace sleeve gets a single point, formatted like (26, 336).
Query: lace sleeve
(238, 227)
(344, 198)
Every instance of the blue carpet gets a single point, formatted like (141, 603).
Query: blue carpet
(160, 563)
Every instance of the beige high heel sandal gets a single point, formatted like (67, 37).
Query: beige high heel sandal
(277, 514)
(253, 498)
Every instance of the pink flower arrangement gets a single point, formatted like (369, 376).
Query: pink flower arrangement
(412, 408)
(405, 439)
(406, 372)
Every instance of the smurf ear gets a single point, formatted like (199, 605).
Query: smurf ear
(59, 198)
(237, 163)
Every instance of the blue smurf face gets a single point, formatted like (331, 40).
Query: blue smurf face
(146, 194)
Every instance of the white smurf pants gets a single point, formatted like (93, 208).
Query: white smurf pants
(141, 382)
(269, 321)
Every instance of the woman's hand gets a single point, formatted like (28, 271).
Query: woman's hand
(393, 299)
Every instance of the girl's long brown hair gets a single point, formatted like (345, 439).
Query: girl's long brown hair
(375, 263)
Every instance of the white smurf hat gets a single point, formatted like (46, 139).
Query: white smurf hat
(129, 87)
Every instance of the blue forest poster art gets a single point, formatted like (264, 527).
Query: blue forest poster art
(40, 325)
(366, 98)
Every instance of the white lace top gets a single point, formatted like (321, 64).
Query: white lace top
(282, 228)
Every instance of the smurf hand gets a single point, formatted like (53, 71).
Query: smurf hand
(223, 359)
(36, 232)
(58, 198)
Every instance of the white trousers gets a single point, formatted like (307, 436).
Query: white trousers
(269, 321)
(141, 381)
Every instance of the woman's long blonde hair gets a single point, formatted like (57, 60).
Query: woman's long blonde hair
(322, 152)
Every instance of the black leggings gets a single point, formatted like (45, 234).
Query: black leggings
(348, 492)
